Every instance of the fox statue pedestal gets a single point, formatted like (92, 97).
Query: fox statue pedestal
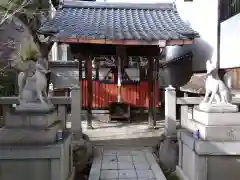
(213, 153)
(29, 147)
(207, 160)
(214, 126)
(218, 108)
(33, 127)
(209, 145)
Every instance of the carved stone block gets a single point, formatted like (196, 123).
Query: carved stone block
(34, 107)
(40, 162)
(216, 118)
(28, 136)
(218, 108)
(213, 133)
(34, 119)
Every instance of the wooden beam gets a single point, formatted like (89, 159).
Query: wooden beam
(188, 41)
(108, 49)
(178, 42)
(122, 53)
(79, 57)
(150, 92)
(90, 91)
(80, 69)
(155, 91)
(159, 43)
(189, 100)
(113, 42)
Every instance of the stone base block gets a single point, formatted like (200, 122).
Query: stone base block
(218, 107)
(34, 107)
(207, 160)
(29, 135)
(216, 119)
(36, 119)
(41, 162)
(213, 133)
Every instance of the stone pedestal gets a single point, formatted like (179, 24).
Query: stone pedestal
(37, 162)
(30, 127)
(30, 120)
(207, 160)
(29, 148)
(218, 107)
(214, 126)
(216, 154)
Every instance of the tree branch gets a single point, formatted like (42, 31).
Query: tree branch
(8, 15)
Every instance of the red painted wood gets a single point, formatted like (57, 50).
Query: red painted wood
(134, 94)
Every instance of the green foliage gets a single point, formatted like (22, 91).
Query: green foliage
(28, 51)
(8, 83)
(31, 13)
(171, 176)
(31, 5)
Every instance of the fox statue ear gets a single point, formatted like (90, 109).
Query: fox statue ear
(208, 62)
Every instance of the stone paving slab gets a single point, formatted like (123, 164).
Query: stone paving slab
(122, 163)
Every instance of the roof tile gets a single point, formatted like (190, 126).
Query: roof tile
(119, 21)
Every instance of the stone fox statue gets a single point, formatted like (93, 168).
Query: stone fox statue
(215, 86)
(32, 84)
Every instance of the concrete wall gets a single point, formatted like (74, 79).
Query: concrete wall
(229, 48)
(202, 16)
(61, 52)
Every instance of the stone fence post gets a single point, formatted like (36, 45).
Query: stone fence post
(170, 111)
(6, 108)
(62, 115)
(75, 117)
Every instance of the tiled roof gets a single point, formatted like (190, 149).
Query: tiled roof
(118, 21)
(196, 84)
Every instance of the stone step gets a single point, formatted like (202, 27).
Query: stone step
(19, 136)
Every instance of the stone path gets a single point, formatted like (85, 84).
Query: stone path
(121, 133)
(125, 164)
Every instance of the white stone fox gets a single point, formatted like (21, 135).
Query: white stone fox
(215, 86)
(29, 85)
